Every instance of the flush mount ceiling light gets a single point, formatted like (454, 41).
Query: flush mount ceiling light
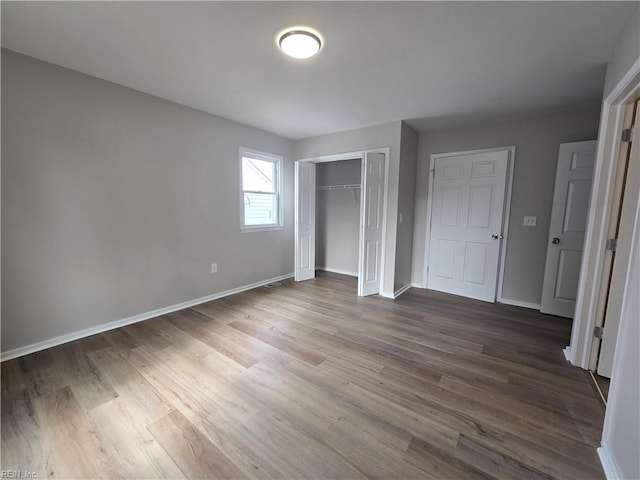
(299, 43)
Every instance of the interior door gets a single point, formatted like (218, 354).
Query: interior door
(305, 221)
(371, 216)
(621, 259)
(574, 176)
(466, 223)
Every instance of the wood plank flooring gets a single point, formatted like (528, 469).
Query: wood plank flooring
(308, 381)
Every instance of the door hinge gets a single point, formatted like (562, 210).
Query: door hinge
(598, 332)
(612, 244)
(627, 134)
(427, 269)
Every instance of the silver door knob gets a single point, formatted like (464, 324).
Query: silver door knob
(555, 240)
(496, 236)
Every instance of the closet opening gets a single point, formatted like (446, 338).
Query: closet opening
(340, 216)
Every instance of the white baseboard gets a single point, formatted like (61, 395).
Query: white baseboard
(401, 290)
(417, 285)
(518, 303)
(568, 354)
(69, 337)
(338, 271)
(611, 470)
(397, 293)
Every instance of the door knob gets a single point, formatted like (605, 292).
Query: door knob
(555, 240)
(496, 236)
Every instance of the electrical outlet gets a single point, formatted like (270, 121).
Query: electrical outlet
(530, 221)
(401, 218)
(214, 268)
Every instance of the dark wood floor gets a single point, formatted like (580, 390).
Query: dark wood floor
(309, 381)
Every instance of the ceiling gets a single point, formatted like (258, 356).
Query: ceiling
(426, 62)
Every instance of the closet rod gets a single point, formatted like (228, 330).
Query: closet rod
(339, 187)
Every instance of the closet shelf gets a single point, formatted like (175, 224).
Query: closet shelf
(339, 187)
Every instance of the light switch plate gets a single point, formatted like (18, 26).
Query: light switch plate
(530, 221)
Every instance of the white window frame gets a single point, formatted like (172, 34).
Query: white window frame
(277, 161)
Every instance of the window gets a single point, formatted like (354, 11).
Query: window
(260, 179)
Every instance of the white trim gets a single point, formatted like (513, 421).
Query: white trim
(620, 89)
(511, 158)
(401, 290)
(417, 285)
(611, 470)
(338, 271)
(69, 337)
(598, 221)
(567, 353)
(358, 155)
(519, 303)
(397, 293)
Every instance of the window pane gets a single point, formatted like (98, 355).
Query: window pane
(260, 209)
(258, 175)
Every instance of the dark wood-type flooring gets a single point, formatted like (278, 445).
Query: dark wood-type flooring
(306, 380)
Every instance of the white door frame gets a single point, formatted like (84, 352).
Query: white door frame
(600, 211)
(505, 216)
(353, 156)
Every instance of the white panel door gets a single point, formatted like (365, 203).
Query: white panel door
(466, 223)
(305, 221)
(371, 214)
(571, 196)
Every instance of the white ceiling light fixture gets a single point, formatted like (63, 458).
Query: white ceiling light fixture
(299, 42)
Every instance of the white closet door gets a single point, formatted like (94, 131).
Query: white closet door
(371, 214)
(305, 223)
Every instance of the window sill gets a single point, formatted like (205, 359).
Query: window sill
(262, 228)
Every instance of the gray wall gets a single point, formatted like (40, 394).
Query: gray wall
(115, 203)
(406, 202)
(378, 136)
(338, 217)
(537, 139)
(624, 54)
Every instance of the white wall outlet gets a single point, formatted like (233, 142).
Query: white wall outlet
(214, 268)
(530, 221)
(401, 218)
